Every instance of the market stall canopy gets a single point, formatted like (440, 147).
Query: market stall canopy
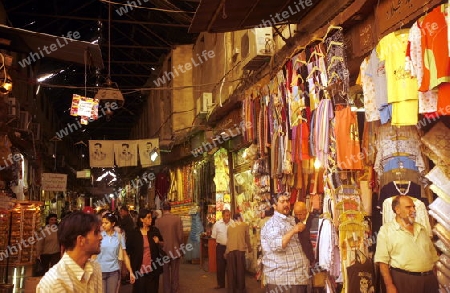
(232, 15)
(66, 48)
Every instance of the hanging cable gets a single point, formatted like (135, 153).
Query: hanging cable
(109, 41)
(85, 72)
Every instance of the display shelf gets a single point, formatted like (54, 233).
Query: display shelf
(211, 215)
(23, 233)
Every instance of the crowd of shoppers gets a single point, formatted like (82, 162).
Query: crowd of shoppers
(404, 251)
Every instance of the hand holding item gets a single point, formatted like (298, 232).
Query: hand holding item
(299, 227)
(132, 278)
(156, 239)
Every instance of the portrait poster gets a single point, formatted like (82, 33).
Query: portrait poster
(101, 153)
(125, 153)
(146, 147)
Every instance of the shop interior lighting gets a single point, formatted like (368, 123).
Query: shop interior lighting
(154, 154)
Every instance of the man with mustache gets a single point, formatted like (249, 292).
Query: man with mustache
(405, 252)
(285, 265)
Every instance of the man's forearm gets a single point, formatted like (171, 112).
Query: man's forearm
(385, 272)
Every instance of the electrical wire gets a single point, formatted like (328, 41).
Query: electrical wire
(148, 8)
(109, 41)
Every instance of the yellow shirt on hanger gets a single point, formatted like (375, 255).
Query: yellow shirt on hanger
(392, 49)
(402, 87)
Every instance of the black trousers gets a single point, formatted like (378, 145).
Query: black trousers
(271, 288)
(414, 284)
(236, 271)
(221, 264)
(148, 283)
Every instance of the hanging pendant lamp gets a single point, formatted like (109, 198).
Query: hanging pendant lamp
(110, 92)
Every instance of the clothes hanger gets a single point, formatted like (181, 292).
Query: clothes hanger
(330, 28)
(315, 53)
(314, 69)
(334, 75)
(315, 39)
(333, 60)
(299, 77)
(334, 43)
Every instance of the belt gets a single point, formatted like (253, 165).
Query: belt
(221, 244)
(412, 273)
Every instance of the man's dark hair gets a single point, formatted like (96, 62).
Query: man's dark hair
(47, 219)
(125, 144)
(98, 144)
(73, 225)
(276, 196)
(166, 206)
(124, 208)
(269, 212)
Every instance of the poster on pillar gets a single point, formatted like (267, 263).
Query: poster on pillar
(149, 152)
(101, 154)
(125, 152)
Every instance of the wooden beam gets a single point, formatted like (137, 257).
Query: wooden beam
(105, 20)
(138, 47)
(131, 74)
(132, 62)
(149, 30)
(134, 42)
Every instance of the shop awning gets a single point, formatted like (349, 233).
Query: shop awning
(58, 47)
(231, 15)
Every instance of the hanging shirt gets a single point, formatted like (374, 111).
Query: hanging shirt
(402, 87)
(361, 277)
(414, 65)
(421, 213)
(347, 140)
(324, 114)
(376, 70)
(435, 49)
(436, 60)
(368, 86)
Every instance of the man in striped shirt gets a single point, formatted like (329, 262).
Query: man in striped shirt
(285, 265)
(79, 235)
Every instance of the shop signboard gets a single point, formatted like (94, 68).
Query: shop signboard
(54, 182)
(393, 15)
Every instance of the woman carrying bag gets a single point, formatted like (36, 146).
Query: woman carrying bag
(143, 246)
(112, 253)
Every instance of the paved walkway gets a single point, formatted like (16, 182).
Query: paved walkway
(193, 279)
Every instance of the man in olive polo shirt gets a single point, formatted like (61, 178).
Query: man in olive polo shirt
(405, 252)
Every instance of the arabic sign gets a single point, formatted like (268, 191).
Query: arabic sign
(54, 182)
(392, 13)
(363, 36)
